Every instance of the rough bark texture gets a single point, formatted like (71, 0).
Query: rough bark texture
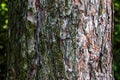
(88, 51)
(60, 40)
(16, 29)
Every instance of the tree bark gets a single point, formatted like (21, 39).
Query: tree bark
(88, 51)
(60, 40)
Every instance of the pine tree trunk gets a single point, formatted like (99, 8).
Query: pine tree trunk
(60, 40)
(87, 39)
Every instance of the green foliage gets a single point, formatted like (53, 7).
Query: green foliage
(116, 39)
(3, 37)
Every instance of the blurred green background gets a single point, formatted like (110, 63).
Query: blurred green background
(4, 38)
(116, 39)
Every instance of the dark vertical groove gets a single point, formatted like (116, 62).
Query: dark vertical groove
(15, 32)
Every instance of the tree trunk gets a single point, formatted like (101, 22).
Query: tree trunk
(60, 40)
(87, 39)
